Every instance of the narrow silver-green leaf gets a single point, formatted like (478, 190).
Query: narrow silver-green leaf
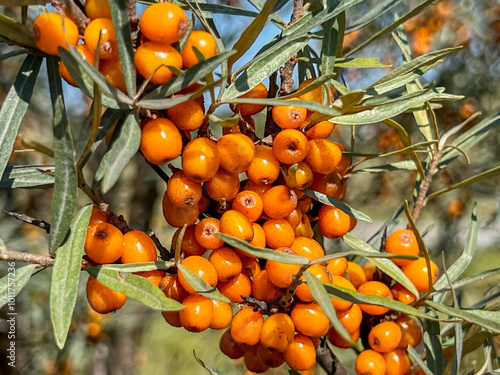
(404, 165)
(417, 358)
(261, 252)
(311, 105)
(433, 345)
(66, 276)
(212, 370)
(325, 199)
(385, 265)
(136, 287)
(12, 283)
(329, 46)
(475, 278)
(360, 63)
(15, 33)
(138, 267)
(66, 181)
(28, 177)
(124, 147)
(201, 285)
(15, 106)
(378, 10)
(361, 253)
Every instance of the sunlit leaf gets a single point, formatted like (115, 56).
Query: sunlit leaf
(200, 285)
(417, 358)
(138, 267)
(14, 32)
(376, 11)
(212, 370)
(408, 165)
(325, 199)
(13, 282)
(28, 177)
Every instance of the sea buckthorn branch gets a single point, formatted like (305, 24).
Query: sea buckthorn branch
(287, 299)
(73, 11)
(40, 260)
(29, 220)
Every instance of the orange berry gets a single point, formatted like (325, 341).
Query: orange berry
(260, 189)
(304, 204)
(277, 332)
(236, 152)
(269, 357)
(205, 233)
(351, 319)
(376, 288)
(152, 60)
(339, 304)
(164, 23)
(402, 242)
(138, 247)
(345, 161)
(323, 156)
(223, 314)
(309, 319)
(179, 216)
(252, 361)
(294, 218)
(411, 330)
(247, 325)
(251, 267)
(173, 318)
(369, 362)
(315, 95)
(339, 341)
(229, 347)
(200, 159)
(258, 92)
(102, 299)
(197, 313)
(279, 233)
(307, 247)
(304, 229)
(403, 295)
(51, 31)
(337, 266)
(223, 185)
(236, 287)
(370, 269)
(161, 141)
(104, 29)
(301, 354)
(97, 9)
(259, 236)
(263, 289)
(264, 167)
(279, 201)
(302, 177)
(418, 272)
(356, 274)
(396, 362)
(289, 116)
(234, 223)
(385, 337)
(333, 222)
(303, 291)
(182, 191)
(104, 243)
(249, 203)
(202, 268)
(86, 55)
(187, 116)
(280, 274)
(226, 262)
(155, 276)
(290, 146)
(172, 287)
(204, 42)
(328, 184)
(320, 130)
(189, 244)
(112, 70)
(97, 217)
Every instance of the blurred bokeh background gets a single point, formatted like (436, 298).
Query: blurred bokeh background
(136, 340)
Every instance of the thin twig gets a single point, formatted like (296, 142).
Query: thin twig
(29, 220)
(164, 253)
(424, 186)
(72, 11)
(40, 260)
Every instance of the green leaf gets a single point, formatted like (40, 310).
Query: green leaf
(136, 287)
(408, 165)
(323, 299)
(329, 46)
(477, 277)
(417, 358)
(376, 11)
(261, 252)
(14, 32)
(361, 253)
(28, 177)
(121, 22)
(137, 267)
(121, 150)
(360, 63)
(385, 265)
(200, 285)
(66, 276)
(12, 283)
(325, 199)
(210, 369)
(15, 106)
(66, 181)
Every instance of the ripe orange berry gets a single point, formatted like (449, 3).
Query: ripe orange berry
(172, 287)
(339, 304)
(320, 130)
(179, 216)
(205, 233)
(138, 247)
(161, 141)
(309, 319)
(370, 269)
(385, 337)
(187, 116)
(328, 184)
(302, 177)
(112, 70)
(269, 357)
(279, 233)
(86, 55)
(229, 347)
(294, 218)
(402, 242)
(339, 341)
(301, 354)
(277, 332)
(376, 288)
(260, 189)
(236, 287)
(401, 294)
(97, 9)
(251, 267)
(337, 266)
(102, 299)
(323, 156)
(189, 244)
(263, 289)
(411, 330)
(204, 42)
(202, 268)
(164, 23)
(417, 272)
(259, 236)
(369, 362)
(104, 243)
(258, 92)
(249, 203)
(226, 262)
(223, 185)
(51, 31)
(223, 314)
(304, 229)
(252, 361)
(345, 161)
(103, 28)
(303, 291)
(396, 362)
(356, 274)
(155, 276)
(351, 319)
(97, 217)
(315, 95)
(236, 152)
(289, 116)
(247, 325)
(152, 60)
(290, 146)
(264, 167)
(307, 247)
(182, 191)
(197, 313)
(279, 201)
(200, 159)
(234, 223)
(333, 222)
(172, 317)
(280, 274)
